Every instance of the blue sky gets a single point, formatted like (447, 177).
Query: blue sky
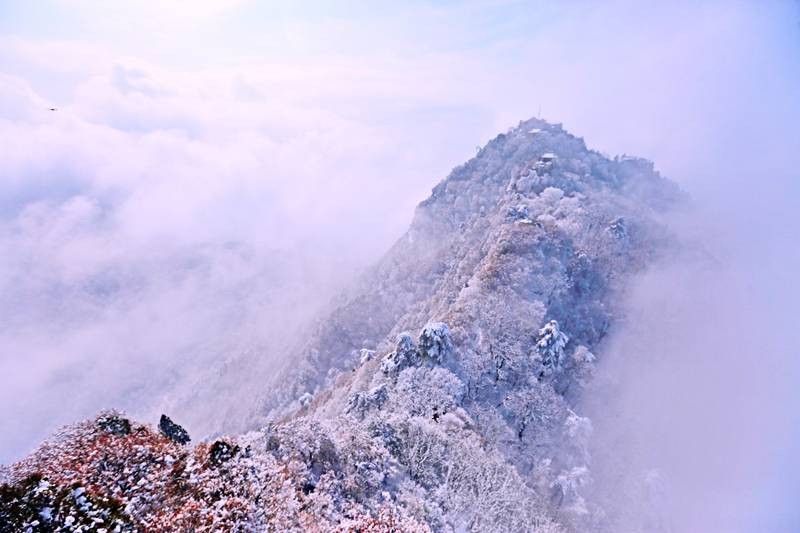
(314, 128)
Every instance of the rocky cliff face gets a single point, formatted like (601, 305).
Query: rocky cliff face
(438, 394)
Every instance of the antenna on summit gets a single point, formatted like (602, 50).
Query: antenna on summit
(539, 114)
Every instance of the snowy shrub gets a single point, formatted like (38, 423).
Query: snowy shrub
(35, 504)
(221, 452)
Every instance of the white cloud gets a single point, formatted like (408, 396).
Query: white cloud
(152, 13)
(157, 226)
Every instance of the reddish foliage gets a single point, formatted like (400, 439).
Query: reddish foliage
(166, 487)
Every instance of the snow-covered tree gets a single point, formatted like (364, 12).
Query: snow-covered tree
(549, 350)
(582, 365)
(566, 490)
(435, 343)
(422, 390)
(305, 399)
(618, 228)
(405, 354)
(365, 355)
(361, 402)
(518, 212)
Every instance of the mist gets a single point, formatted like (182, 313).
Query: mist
(208, 183)
(693, 405)
(694, 408)
(696, 397)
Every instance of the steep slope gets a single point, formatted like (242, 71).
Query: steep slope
(507, 281)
